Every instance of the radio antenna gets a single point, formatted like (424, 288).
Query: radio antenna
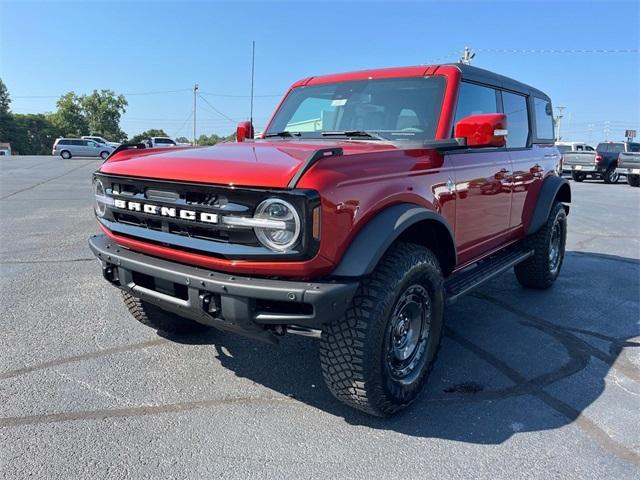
(253, 61)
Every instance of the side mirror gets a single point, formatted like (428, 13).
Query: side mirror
(244, 131)
(487, 130)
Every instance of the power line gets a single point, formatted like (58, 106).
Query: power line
(278, 95)
(216, 110)
(129, 94)
(556, 50)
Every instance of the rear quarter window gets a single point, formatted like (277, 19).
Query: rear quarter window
(543, 118)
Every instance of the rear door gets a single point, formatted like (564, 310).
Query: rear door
(527, 160)
(482, 181)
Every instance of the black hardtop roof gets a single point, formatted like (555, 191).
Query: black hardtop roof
(481, 75)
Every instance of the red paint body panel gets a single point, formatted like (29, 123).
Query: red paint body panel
(490, 206)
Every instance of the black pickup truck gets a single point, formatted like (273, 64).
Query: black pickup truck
(601, 165)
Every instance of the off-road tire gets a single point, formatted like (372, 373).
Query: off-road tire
(354, 349)
(66, 154)
(158, 319)
(633, 180)
(577, 176)
(536, 271)
(610, 176)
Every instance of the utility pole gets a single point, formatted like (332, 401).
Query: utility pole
(195, 96)
(467, 56)
(607, 129)
(558, 119)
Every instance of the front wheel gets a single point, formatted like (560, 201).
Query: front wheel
(104, 155)
(548, 244)
(611, 175)
(633, 180)
(378, 356)
(158, 319)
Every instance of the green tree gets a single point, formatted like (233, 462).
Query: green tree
(5, 99)
(103, 110)
(214, 138)
(70, 118)
(154, 132)
(34, 134)
(7, 124)
(182, 140)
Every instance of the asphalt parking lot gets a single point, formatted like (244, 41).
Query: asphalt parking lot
(528, 384)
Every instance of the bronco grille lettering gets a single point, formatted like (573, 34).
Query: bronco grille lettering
(163, 211)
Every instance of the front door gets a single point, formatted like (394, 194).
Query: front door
(482, 180)
(483, 201)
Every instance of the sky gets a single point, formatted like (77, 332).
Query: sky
(154, 52)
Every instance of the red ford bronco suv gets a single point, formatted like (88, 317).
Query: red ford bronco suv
(371, 201)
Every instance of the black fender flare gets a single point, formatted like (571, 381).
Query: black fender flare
(553, 188)
(375, 238)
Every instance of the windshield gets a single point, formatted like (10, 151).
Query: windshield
(564, 148)
(393, 109)
(610, 147)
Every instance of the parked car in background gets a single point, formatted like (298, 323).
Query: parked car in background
(571, 147)
(79, 147)
(574, 147)
(629, 165)
(5, 149)
(160, 142)
(101, 140)
(601, 164)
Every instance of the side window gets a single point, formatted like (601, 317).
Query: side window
(544, 118)
(474, 100)
(76, 142)
(634, 147)
(515, 107)
(589, 149)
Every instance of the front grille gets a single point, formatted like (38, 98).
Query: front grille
(184, 215)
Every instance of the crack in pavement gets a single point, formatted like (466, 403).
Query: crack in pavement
(63, 260)
(599, 435)
(84, 356)
(103, 414)
(47, 181)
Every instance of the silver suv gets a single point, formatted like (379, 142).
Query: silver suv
(100, 140)
(79, 147)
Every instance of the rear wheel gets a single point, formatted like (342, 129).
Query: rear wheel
(577, 177)
(548, 244)
(633, 180)
(378, 356)
(104, 155)
(65, 154)
(611, 175)
(161, 320)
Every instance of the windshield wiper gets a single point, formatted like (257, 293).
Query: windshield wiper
(354, 133)
(280, 134)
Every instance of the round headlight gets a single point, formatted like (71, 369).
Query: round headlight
(282, 226)
(100, 197)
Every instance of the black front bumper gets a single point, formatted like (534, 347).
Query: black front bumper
(249, 306)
